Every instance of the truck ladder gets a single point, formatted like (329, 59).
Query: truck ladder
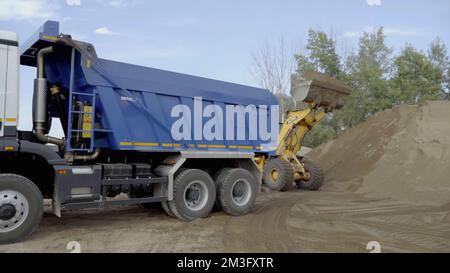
(81, 113)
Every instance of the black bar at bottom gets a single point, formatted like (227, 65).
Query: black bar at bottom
(233, 262)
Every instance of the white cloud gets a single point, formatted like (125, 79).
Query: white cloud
(104, 31)
(163, 53)
(141, 53)
(351, 34)
(25, 10)
(73, 2)
(119, 3)
(373, 2)
(401, 31)
(177, 22)
(390, 31)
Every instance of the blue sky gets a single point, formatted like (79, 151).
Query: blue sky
(216, 38)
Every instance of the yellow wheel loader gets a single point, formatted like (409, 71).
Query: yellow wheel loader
(322, 94)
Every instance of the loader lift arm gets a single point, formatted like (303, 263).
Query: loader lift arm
(297, 125)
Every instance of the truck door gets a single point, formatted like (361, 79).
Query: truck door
(9, 84)
(12, 91)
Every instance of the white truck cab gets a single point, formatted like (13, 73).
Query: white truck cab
(9, 82)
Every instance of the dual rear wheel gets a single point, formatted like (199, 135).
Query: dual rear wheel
(236, 191)
(195, 193)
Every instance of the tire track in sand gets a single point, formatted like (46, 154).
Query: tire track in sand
(264, 229)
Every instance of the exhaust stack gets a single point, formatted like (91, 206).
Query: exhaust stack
(40, 101)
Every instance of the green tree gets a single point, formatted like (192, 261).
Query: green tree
(320, 55)
(447, 85)
(321, 133)
(378, 79)
(416, 79)
(439, 58)
(367, 74)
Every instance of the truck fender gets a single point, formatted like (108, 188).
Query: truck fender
(42, 150)
(168, 168)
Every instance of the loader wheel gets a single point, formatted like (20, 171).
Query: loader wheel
(194, 194)
(236, 191)
(21, 208)
(217, 178)
(278, 175)
(316, 176)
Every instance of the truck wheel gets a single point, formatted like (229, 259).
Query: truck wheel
(217, 177)
(21, 208)
(194, 194)
(278, 174)
(165, 204)
(143, 205)
(148, 205)
(316, 176)
(166, 208)
(236, 191)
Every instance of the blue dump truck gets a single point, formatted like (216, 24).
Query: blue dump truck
(139, 135)
(118, 121)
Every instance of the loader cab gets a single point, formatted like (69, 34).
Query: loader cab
(9, 83)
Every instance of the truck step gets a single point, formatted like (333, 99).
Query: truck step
(134, 181)
(83, 94)
(108, 203)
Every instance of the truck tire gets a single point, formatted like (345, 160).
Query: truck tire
(148, 206)
(194, 194)
(236, 192)
(143, 205)
(217, 177)
(21, 208)
(278, 175)
(165, 204)
(316, 176)
(166, 208)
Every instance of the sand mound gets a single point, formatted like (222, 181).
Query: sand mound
(402, 153)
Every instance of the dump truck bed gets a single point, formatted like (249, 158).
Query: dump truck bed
(160, 91)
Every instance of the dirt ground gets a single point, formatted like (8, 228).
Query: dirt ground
(387, 181)
(300, 221)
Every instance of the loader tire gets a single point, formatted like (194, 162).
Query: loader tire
(194, 194)
(21, 208)
(316, 176)
(278, 175)
(236, 191)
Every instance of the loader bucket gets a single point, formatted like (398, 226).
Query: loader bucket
(319, 89)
